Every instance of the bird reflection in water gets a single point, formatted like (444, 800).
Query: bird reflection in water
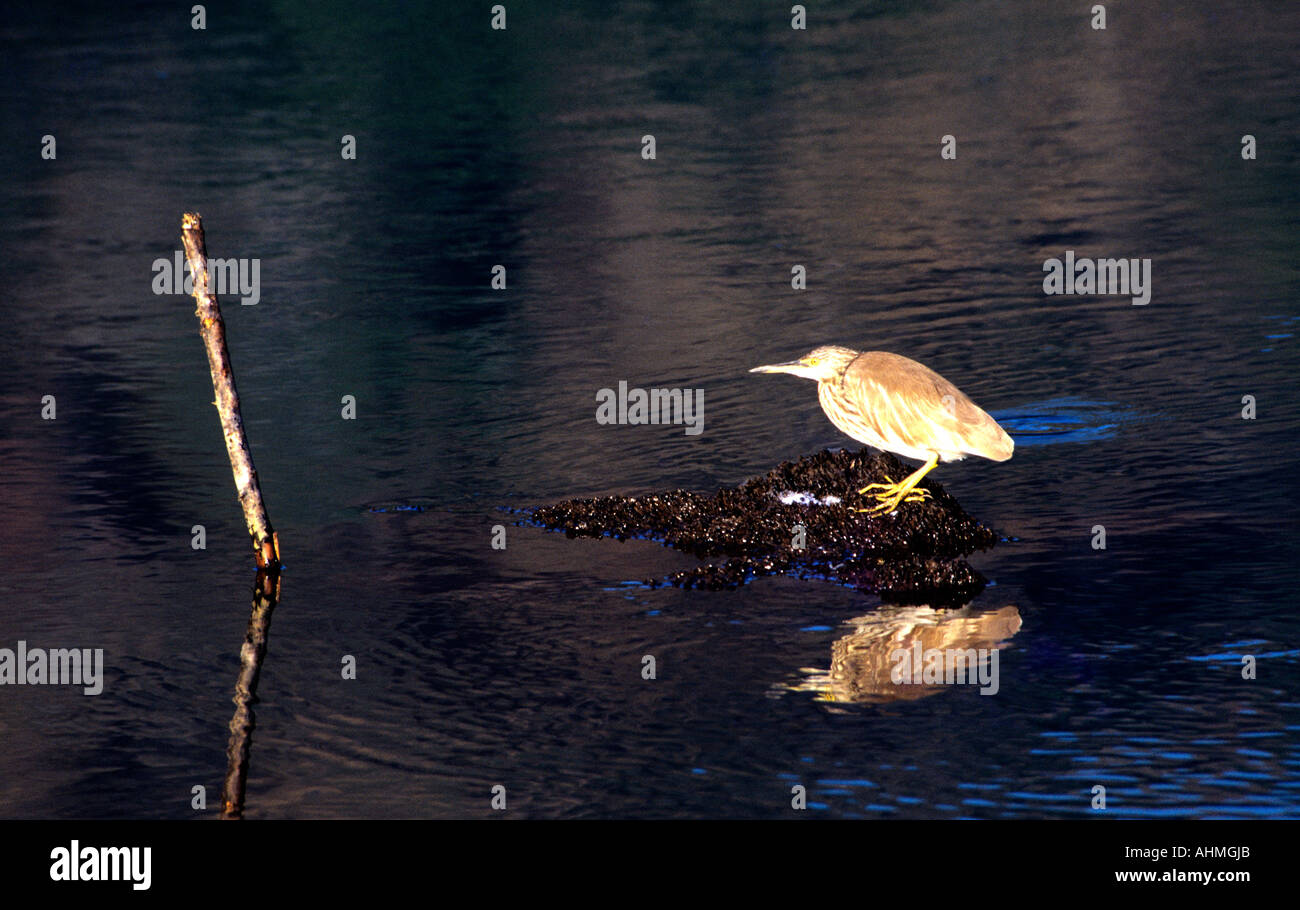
(876, 662)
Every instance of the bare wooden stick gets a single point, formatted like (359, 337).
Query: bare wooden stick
(266, 545)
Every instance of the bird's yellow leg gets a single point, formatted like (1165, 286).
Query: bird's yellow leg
(891, 494)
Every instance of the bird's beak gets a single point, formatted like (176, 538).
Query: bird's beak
(779, 367)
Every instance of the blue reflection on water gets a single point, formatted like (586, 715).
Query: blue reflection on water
(1064, 420)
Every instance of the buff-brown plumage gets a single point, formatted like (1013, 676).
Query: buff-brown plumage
(898, 405)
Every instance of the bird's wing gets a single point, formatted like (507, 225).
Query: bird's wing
(913, 406)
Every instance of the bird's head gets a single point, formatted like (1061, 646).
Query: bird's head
(824, 364)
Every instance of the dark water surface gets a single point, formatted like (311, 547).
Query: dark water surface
(522, 667)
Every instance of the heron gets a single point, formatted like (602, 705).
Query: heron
(893, 403)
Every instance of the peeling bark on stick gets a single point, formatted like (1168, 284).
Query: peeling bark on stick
(213, 330)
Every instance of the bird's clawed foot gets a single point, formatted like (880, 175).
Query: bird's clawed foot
(892, 494)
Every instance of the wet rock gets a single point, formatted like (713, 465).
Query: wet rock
(910, 555)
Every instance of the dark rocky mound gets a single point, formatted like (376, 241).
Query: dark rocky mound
(911, 555)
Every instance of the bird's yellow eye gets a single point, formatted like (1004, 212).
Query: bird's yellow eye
(813, 361)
